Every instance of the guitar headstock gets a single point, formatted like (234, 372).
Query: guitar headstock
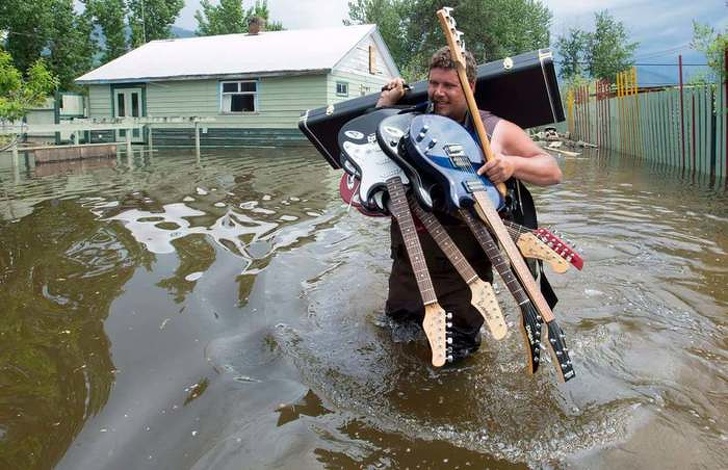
(561, 248)
(435, 326)
(531, 323)
(532, 246)
(557, 343)
(454, 38)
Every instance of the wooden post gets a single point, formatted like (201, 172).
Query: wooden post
(128, 142)
(682, 108)
(16, 161)
(197, 138)
(723, 112)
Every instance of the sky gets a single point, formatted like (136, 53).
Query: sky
(662, 27)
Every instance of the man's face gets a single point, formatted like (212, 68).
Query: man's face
(445, 92)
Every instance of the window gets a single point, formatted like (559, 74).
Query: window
(342, 89)
(239, 97)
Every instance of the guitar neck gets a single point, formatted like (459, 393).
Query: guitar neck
(490, 216)
(495, 257)
(399, 207)
(459, 59)
(443, 240)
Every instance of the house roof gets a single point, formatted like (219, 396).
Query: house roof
(296, 51)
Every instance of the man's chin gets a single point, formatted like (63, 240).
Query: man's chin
(442, 109)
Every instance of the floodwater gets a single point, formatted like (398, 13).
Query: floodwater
(173, 312)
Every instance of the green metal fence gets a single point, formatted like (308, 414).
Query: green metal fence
(684, 127)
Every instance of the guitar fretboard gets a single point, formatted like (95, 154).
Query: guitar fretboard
(496, 258)
(399, 207)
(443, 240)
(487, 212)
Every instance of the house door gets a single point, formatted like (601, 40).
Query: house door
(128, 104)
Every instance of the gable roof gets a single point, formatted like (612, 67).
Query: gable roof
(296, 51)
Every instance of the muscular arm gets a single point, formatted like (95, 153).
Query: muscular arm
(516, 155)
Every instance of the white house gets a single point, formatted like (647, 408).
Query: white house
(241, 86)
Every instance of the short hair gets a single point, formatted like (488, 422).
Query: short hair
(442, 59)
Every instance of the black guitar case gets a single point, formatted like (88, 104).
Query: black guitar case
(522, 89)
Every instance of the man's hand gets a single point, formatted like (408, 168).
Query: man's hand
(392, 92)
(498, 170)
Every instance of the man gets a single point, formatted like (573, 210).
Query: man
(516, 157)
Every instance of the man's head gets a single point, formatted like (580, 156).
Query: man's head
(444, 89)
(442, 59)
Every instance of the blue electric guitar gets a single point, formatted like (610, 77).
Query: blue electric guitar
(438, 146)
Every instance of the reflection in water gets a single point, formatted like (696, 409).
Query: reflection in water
(222, 312)
(58, 280)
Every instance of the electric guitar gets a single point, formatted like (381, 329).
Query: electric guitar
(360, 148)
(440, 146)
(483, 205)
(435, 323)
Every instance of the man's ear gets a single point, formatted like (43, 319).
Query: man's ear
(472, 86)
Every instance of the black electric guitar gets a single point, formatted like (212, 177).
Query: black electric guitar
(481, 202)
(359, 146)
(440, 146)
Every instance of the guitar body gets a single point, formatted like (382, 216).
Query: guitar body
(389, 134)
(443, 149)
(349, 192)
(362, 156)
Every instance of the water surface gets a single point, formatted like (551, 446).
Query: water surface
(170, 311)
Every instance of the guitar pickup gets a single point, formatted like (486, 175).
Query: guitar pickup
(473, 185)
(458, 157)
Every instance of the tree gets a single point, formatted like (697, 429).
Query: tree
(608, 50)
(230, 17)
(572, 49)
(110, 33)
(491, 30)
(49, 29)
(28, 27)
(69, 50)
(713, 45)
(603, 53)
(18, 94)
(152, 19)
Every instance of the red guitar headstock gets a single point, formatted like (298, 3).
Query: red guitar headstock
(562, 248)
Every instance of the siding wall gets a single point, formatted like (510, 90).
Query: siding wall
(354, 70)
(280, 101)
